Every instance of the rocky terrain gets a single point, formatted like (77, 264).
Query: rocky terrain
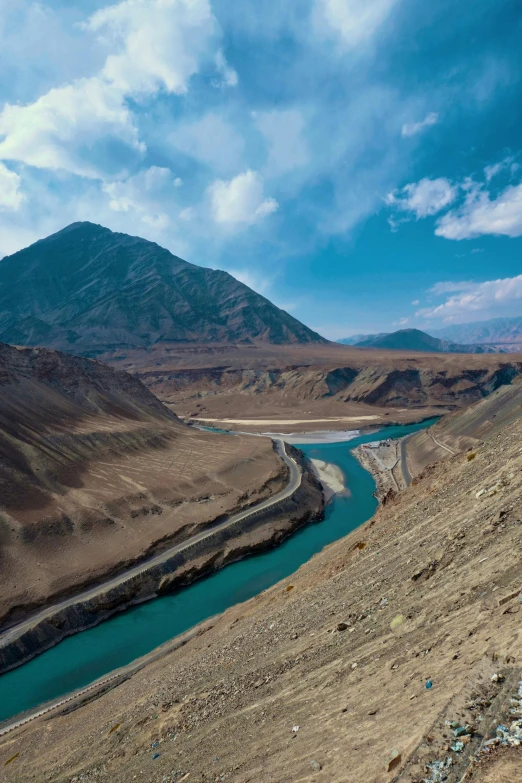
(87, 290)
(315, 383)
(366, 666)
(96, 474)
(465, 430)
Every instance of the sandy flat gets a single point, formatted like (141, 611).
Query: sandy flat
(268, 422)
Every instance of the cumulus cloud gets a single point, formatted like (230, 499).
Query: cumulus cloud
(144, 195)
(156, 45)
(423, 198)
(490, 297)
(240, 200)
(160, 43)
(355, 21)
(11, 197)
(411, 129)
(480, 215)
(53, 131)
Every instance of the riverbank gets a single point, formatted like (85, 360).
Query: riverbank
(98, 651)
(254, 532)
(384, 463)
(341, 649)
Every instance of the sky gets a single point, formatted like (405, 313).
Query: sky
(357, 162)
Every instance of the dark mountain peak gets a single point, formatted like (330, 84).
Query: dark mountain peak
(89, 290)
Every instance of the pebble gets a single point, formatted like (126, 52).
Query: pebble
(315, 766)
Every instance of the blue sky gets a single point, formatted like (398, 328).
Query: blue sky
(359, 162)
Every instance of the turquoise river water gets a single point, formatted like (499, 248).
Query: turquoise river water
(82, 658)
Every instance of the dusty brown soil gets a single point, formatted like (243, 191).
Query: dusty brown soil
(428, 589)
(95, 473)
(314, 381)
(464, 430)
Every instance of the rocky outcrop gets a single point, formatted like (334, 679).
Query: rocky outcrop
(378, 384)
(255, 534)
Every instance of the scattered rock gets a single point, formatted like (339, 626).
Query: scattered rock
(397, 621)
(342, 626)
(393, 760)
(315, 766)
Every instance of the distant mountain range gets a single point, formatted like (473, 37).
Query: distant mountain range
(88, 290)
(355, 339)
(497, 331)
(496, 335)
(415, 340)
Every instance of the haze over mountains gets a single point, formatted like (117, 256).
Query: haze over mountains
(495, 336)
(415, 340)
(496, 331)
(88, 290)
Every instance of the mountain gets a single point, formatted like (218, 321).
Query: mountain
(358, 338)
(89, 291)
(415, 340)
(95, 473)
(497, 331)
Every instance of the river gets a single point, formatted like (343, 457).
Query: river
(80, 659)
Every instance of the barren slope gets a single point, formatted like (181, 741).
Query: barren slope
(314, 382)
(465, 430)
(95, 473)
(426, 590)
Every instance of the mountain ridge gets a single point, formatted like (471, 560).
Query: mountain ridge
(89, 290)
(417, 340)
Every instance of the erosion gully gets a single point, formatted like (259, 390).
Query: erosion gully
(90, 654)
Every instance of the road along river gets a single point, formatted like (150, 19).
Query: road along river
(94, 653)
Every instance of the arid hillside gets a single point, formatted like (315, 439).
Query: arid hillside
(353, 670)
(95, 473)
(310, 381)
(467, 429)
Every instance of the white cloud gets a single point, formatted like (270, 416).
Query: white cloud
(161, 42)
(144, 195)
(356, 21)
(481, 215)
(416, 302)
(283, 131)
(423, 198)
(449, 287)
(411, 129)
(156, 44)
(229, 77)
(211, 140)
(11, 197)
(240, 200)
(401, 322)
(51, 132)
(490, 297)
